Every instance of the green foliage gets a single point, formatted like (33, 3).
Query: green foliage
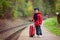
(50, 6)
(16, 7)
(29, 9)
(52, 24)
(6, 4)
(23, 8)
(39, 4)
(19, 8)
(57, 5)
(14, 11)
(47, 8)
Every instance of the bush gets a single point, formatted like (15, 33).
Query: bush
(52, 24)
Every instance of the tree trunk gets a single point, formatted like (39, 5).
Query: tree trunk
(58, 18)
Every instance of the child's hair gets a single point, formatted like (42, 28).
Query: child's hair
(36, 8)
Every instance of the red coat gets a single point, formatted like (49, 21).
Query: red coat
(39, 19)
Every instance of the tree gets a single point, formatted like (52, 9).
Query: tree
(51, 6)
(4, 7)
(58, 10)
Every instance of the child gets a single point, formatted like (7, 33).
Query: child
(37, 18)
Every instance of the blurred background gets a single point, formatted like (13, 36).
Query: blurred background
(15, 13)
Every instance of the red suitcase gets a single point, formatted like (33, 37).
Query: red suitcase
(31, 31)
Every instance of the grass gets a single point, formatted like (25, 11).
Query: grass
(52, 25)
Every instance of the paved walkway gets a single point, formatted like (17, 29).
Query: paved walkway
(46, 35)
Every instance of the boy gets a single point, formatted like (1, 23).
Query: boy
(37, 18)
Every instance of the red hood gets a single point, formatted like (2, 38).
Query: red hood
(39, 20)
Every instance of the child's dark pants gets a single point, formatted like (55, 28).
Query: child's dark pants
(38, 30)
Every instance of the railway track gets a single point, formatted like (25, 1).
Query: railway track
(12, 33)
